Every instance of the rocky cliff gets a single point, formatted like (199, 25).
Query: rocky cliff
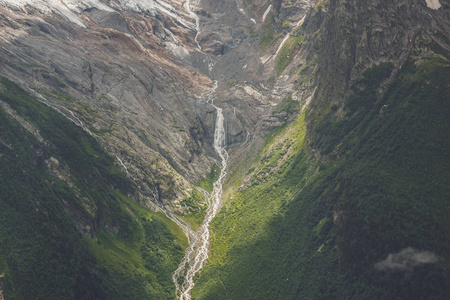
(135, 75)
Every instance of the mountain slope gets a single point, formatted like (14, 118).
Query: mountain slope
(115, 77)
(335, 118)
(326, 229)
(360, 210)
(57, 183)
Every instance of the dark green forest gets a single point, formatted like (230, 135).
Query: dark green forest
(319, 229)
(43, 253)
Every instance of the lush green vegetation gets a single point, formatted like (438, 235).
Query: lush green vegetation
(54, 189)
(245, 254)
(207, 183)
(196, 207)
(268, 32)
(286, 53)
(288, 105)
(392, 154)
(315, 230)
(321, 5)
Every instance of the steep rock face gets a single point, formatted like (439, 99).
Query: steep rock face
(112, 75)
(134, 76)
(359, 34)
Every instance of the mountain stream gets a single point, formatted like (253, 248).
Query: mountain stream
(197, 252)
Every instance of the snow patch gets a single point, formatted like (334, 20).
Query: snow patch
(266, 58)
(266, 12)
(66, 8)
(62, 9)
(243, 12)
(282, 43)
(433, 4)
(70, 9)
(153, 6)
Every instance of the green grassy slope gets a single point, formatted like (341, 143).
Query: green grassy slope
(131, 252)
(316, 230)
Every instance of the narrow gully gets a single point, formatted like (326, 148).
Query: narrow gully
(197, 252)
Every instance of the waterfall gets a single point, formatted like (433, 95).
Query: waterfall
(197, 252)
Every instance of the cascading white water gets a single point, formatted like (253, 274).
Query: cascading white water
(197, 252)
(187, 6)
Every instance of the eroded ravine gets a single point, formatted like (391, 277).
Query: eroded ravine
(197, 252)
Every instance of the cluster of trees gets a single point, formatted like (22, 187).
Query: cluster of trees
(381, 187)
(43, 255)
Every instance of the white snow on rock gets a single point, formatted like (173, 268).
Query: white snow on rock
(433, 4)
(70, 9)
(266, 12)
(66, 8)
(153, 6)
